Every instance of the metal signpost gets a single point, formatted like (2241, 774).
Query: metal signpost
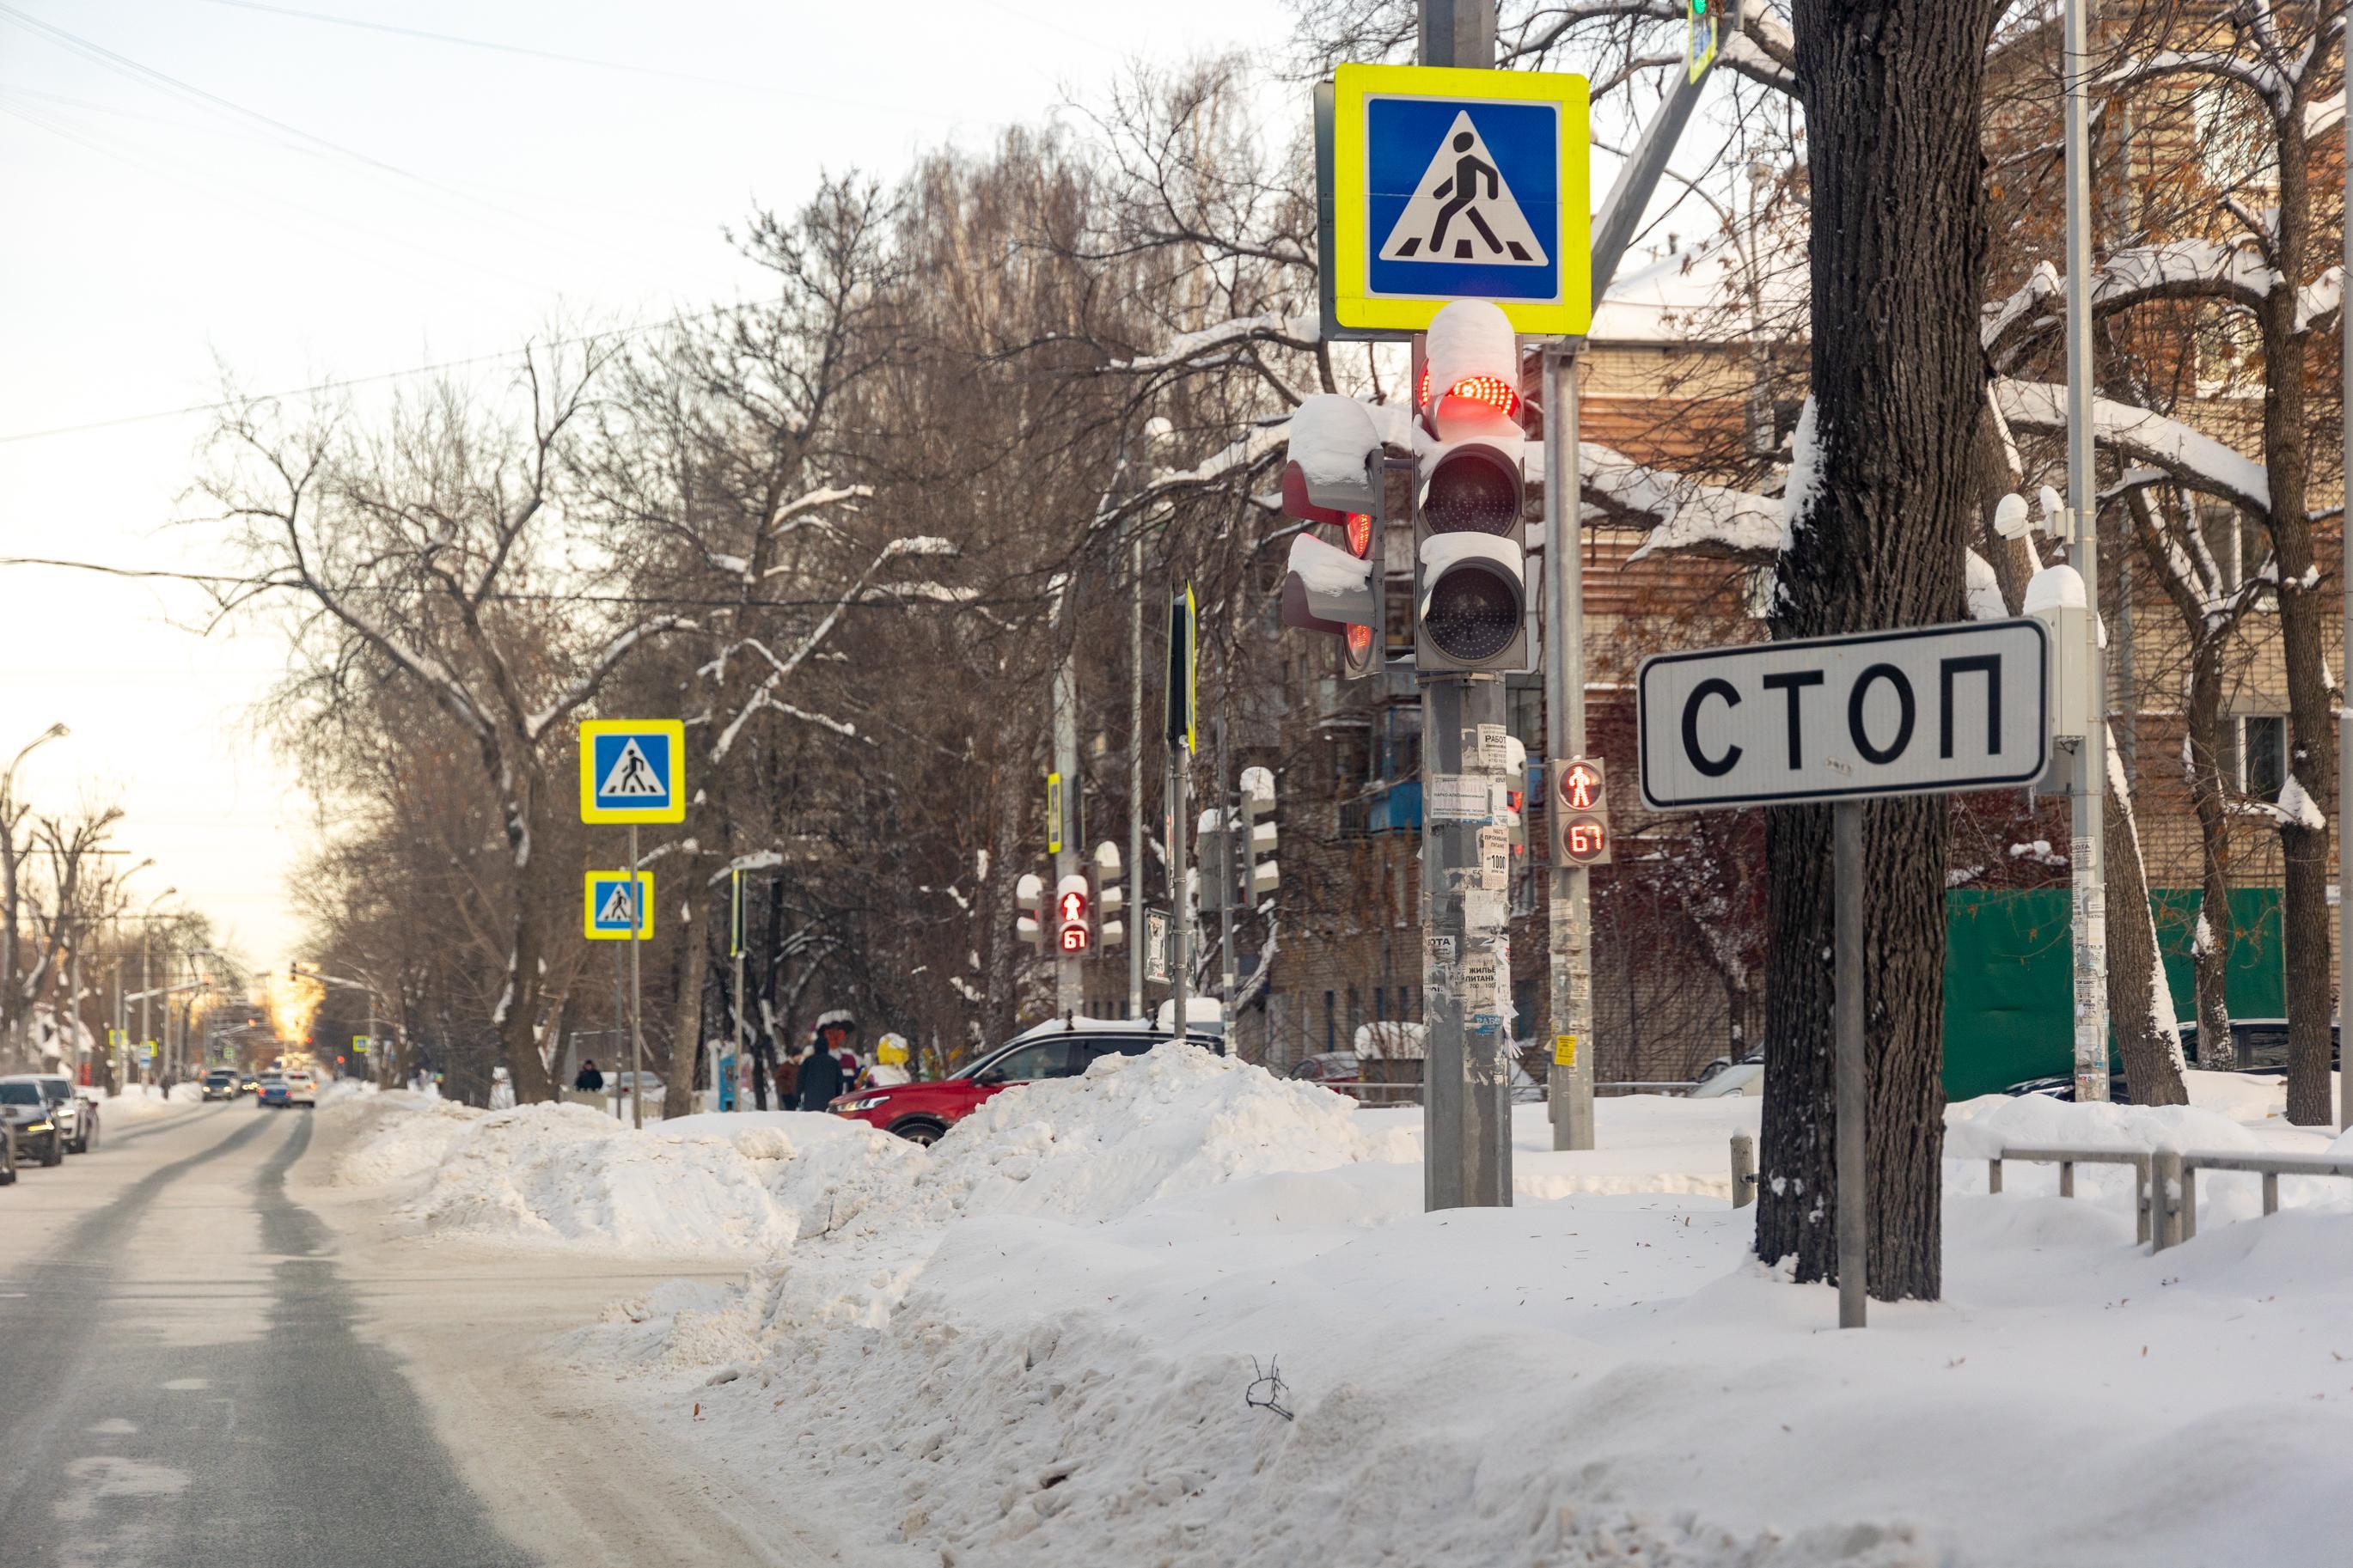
(1182, 732)
(632, 771)
(1845, 720)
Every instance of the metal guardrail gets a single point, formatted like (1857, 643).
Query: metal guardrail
(2165, 1181)
(2068, 1158)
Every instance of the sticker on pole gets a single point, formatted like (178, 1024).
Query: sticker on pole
(615, 911)
(1459, 185)
(633, 770)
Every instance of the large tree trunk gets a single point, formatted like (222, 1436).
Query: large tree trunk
(1891, 96)
(2140, 1007)
(518, 1019)
(2311, 759)
(2210, 949)
(686, 1032)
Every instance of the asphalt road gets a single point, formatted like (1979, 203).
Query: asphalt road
(181, 1380)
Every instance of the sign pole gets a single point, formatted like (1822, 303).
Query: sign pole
(1070, 980)
(1853, 1228)
(2089, 802)
(743, 1045)
(2344, 724)
(1568, 1084)
(1180, 920)
(636, 1021)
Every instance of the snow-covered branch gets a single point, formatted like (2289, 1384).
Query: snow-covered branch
(2143, 437)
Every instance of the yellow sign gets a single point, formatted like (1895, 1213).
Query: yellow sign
(611, 913)
(633, 770)
(1460, 184)
(1564, 1050)
(1053, 814)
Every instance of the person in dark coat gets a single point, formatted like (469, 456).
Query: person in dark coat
(589, 1081)
(820, 1080)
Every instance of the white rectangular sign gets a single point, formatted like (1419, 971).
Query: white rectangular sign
(1929, 710)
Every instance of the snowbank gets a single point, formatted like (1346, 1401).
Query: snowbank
(137, 1101)
(396, 1136)
(1056, 1345)
(1137, 1128)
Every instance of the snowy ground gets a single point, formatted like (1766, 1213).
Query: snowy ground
(1041, 1341)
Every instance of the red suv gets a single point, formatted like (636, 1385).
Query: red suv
(921, 1112)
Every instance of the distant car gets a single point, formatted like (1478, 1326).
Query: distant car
(923, 1112)
(302, 1089)
(75, 1113)
(220, 1084)
(249, 1083)
(273, 1091)
(2259, 1045)
(25, 1120)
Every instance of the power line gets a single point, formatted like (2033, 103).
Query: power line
(679, 319)
(796, 93)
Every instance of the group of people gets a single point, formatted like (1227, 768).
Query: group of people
(831, 1068)
(828, 1067)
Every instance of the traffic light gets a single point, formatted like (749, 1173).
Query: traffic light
(1074, 930)
(1257, 832)
(1110, 899)
(1333, 478)
(1578, 805)
(1470, 542)
(1030, 924)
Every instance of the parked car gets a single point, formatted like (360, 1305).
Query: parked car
(25, 1120)
(75, 1113)
(221, 1083)
(2259, 1045)
(2062, 1086)
(923, 1112)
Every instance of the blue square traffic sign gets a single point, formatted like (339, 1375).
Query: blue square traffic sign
(632, 770)
(1488, 180)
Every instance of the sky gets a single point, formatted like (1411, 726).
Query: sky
(194, 187)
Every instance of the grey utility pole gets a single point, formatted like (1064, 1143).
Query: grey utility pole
(743, 1045)
(1569, 1089)
(1466, 1093)
(637, 1020)
(1233, 865)
(2345, 628)
(147, 985)
(2087, 792)
(1070, 978)
(1155, 429)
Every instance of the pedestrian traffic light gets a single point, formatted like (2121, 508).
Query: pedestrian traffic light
(1030, 924)
(1257, 832)
(1470, 540)
(1333, 480)
(1579, 804)
(1110, 899)
(1074, 930)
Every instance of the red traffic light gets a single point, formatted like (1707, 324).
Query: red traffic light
(1074, 908)
(1580, 787)
(1586, 841)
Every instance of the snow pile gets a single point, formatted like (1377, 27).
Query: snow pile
(1134, 1130)
(565, 1175)
(393, 1136)
(137, 1101)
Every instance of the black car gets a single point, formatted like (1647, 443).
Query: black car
(32, 1132)
(2259, 1045)
(2062, 1086)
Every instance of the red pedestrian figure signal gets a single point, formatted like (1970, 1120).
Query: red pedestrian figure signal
(1580, 787)
(1075, 933)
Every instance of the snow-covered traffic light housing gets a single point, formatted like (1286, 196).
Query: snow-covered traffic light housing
(1333, 477)
(1074, 917)
(1469, 536)
(1029, 898)
(1108, 898)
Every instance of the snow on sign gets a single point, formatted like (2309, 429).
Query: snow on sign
(1926, 710)
(611, 912)
(1459, 185)
(633, 770)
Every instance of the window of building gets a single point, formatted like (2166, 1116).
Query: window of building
(2263, 755)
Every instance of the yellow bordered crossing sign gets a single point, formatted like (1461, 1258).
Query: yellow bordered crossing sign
(611, 914)
(1448, 184)
(633, 770)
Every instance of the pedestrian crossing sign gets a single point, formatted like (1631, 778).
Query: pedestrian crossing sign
(633, 770)
(1459, 185)
(612, 911)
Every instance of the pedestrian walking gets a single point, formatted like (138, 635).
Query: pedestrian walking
(820, 1080)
